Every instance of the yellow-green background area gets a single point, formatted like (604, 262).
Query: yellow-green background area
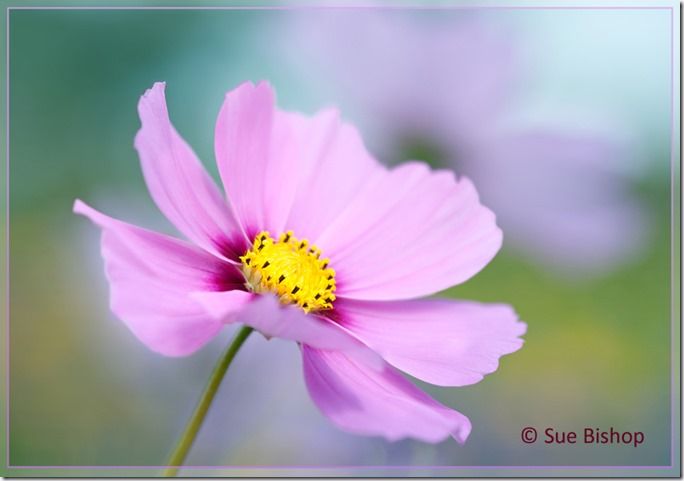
(84, 391)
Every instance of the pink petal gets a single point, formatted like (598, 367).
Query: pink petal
(267, 315)
(367, 401)
(244, 131)
(449, 343)
(150, 275)
(178, 183)
(220, 305)
(285, 170)
(333, 169)
(411, 232)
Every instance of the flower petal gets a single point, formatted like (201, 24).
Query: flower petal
(220, 305)
(284, 170)
(265, 314)
(150, 275)
(243, 144)
(178, 183)
(449, 343)
(334, 166)
(367, 401)
(411, 232)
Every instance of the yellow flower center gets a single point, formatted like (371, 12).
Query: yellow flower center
(291, 269)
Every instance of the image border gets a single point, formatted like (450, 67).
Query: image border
(671, 470)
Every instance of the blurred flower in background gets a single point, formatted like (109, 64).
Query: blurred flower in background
(442, 89)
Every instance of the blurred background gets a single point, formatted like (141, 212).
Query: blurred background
(561, 118)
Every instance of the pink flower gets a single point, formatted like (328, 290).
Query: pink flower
(316, 243)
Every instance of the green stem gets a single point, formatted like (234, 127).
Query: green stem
(195, 422)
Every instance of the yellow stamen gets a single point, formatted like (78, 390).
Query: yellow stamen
(290, 268)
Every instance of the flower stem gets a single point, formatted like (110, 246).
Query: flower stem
(195, 422)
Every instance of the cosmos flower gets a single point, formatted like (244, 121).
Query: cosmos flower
(444, 85)
(320, 244)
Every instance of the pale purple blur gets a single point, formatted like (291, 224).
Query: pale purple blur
(447, 85)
